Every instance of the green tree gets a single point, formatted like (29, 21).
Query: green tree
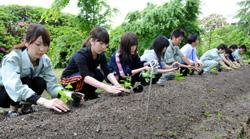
(244, 15)
(155, 20)
(212, 22)
(92, 13)
(65, 35)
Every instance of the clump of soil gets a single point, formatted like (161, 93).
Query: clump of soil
(206, 106)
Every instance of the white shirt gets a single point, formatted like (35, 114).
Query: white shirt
(190, 52)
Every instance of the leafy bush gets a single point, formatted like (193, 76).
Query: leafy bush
(66, 37)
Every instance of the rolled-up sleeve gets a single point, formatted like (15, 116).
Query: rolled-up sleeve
(50, 78)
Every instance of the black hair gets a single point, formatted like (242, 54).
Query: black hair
(159, 44)
(33, 32)
(178, 33)
(222, 47)
(99, 34)
(243, 47)
(128, 40)
(228, 51)
(233, 46)
(192, 38)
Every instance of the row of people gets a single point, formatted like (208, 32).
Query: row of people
(26, 71)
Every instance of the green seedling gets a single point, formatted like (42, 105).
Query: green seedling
(66, 99)
(172, 134)
(214, 70)
(190, 71)
(98, 91)
(126, 83)
(205, 104)
(207, 114)
(69, 87)
(179, 76)
(147, 75)
(219, 116)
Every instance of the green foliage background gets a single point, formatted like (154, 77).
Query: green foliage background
(68, 32)
(65, 33)
(155, 20)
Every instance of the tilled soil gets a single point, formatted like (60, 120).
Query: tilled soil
(208, 106)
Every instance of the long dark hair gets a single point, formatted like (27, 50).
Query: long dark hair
(159, 44)
(99, 34)
(128, 40)
(33, 32)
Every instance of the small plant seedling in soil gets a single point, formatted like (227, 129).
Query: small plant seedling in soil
(214, 70)
(219, 116)
(179, 76)
(62, 94)
(147, 75)
(207, 114)
(126, 83)
(172, 134)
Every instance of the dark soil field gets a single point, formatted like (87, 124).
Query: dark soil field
(199, 107)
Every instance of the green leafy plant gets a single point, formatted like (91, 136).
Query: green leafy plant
(214, 70)
(219, 116)
(179, 76)
(126, 83)
(66, 99)
(207, 114)
(147, 75)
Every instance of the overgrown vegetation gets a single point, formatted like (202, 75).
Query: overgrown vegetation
(65, 34)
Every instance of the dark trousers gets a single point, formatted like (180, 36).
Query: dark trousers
(37, 84)
(78, 84)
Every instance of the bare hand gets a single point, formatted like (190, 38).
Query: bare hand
(146, 68)
(54, 104)
(114, 89)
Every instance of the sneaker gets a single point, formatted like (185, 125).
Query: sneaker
(138, 89)
(168, 76)
(11, 114)
(161, 82)
(77, 98)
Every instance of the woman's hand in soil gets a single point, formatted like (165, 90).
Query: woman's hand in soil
(113, 89)
(54, 104)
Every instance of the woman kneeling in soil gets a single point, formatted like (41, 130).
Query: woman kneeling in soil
(82, 72)
(155, 53)
(26, 72)
(125, 62)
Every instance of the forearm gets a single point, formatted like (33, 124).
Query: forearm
(93, 82)
(112, 79)
(137, 70)
(227, 62)
(224, 65)
(186, 60)
(165, 70)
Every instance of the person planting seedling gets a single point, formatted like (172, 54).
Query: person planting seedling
(82, 70)
(155, 53)
(26, 72)
(126, 62)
